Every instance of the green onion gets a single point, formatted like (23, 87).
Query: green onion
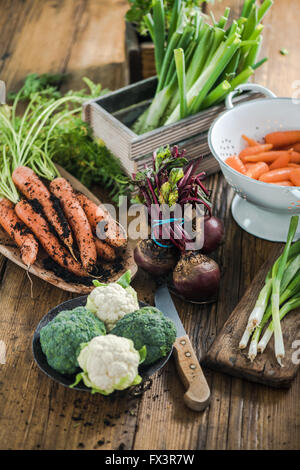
(277, 275)
(288, 307)
(159, 33)
(284, 279)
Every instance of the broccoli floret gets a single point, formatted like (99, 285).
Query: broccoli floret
(148, 327)
(61, 338)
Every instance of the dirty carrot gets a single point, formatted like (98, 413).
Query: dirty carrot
(283, 138)
(246, 152)
(280, 162)
(18, 232)
(34, 189)
(114, 234)
(255, 170)
(104, 250)
(251, 142)
(295, 176)
(78, 221)
(274, 176)
(236, 163)
(40, 227)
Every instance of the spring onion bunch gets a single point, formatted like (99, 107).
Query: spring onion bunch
(198, 64)
(279, 296)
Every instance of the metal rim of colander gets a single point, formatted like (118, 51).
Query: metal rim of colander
(221, 116)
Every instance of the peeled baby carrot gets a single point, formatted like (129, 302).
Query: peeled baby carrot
(282, 138)
(280, 162)
(235, 162)
(296, 147)
(283, 183)
(280, 174)
(251, 142)
(254, 150)
(255, 170)
(295, 176)
(268, 157)
(293, 165)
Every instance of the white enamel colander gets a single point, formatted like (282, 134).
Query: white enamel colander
(262, 209)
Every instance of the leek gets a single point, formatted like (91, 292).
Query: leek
(212, 60)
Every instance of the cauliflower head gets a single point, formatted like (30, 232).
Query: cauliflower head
(110, 302)
(148, 327)
(61, 338)
(109, 363)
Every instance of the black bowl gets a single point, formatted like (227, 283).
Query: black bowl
(68, 380)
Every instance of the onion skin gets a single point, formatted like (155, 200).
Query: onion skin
(213, 234)
(196, 277)
(153, 258)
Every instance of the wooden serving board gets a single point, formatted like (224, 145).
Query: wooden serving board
(8, 249)
(225, 356)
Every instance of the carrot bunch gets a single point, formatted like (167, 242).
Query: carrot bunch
(276, 161)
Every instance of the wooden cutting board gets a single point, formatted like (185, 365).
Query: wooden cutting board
(225, 356)
(8, 249)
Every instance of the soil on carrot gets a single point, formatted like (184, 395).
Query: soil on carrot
(22, 228)
(103, 272)
(61, 216)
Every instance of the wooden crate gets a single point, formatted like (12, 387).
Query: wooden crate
(112, 115)
(139, 55)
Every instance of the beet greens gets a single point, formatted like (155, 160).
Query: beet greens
(171, 180)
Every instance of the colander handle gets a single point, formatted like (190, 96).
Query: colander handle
(248, 87)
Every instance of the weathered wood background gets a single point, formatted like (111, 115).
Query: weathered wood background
(86, 37)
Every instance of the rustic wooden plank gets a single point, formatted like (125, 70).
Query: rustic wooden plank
(98, 44)
(49, 416)
(281, 73)
(242, 415)
(65, 36)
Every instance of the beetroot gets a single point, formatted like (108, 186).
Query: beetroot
(153, 258)
(196, 276)
(213, 233)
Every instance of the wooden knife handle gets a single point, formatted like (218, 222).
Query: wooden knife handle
(197, 395)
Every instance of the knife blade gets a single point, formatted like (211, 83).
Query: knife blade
(197, 395)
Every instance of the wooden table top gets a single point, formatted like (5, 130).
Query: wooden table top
(86, 37)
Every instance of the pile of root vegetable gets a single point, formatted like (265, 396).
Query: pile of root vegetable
(172, 180)
(63, 222)
(40, 208)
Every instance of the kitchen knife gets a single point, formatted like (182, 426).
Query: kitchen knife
(197, 395)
